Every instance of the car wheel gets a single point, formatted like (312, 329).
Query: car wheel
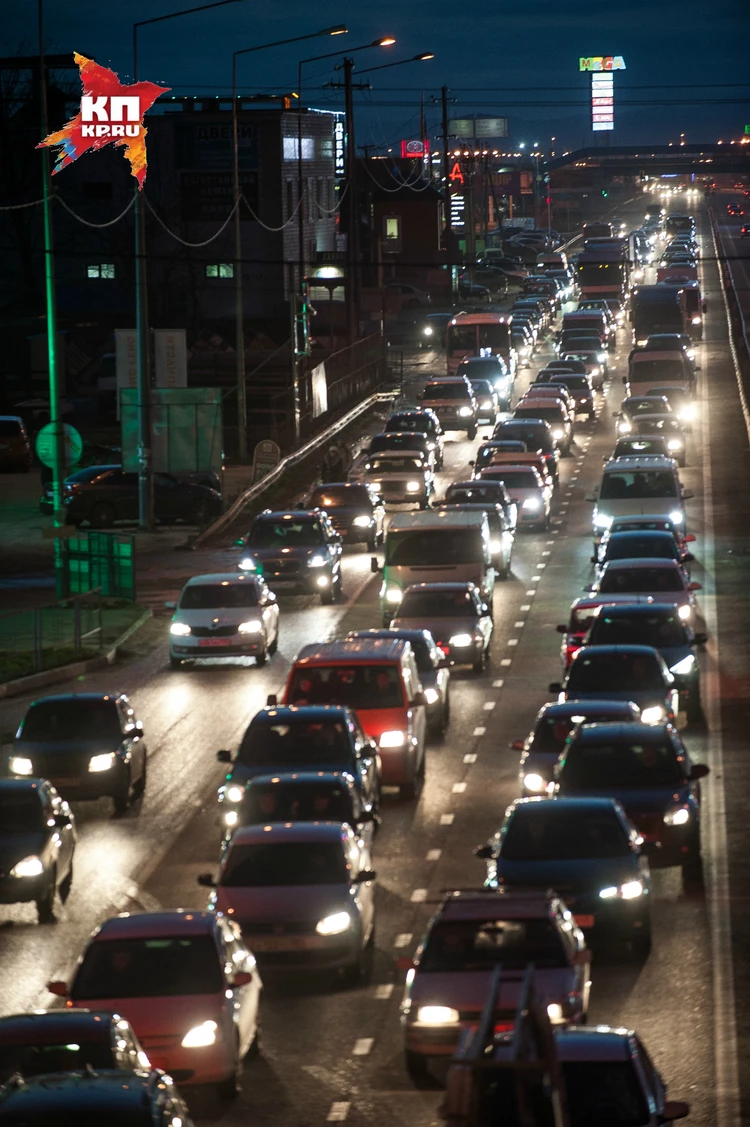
(682, 463)
(140, 787)
(227, 1089)
(692, 872)
(66, 884)
(641, 943)
(260, 658)
(254, 1049)
(102, 514)
(361, 971)
(694, 706)
(174, 662)
(471, 433)
(372, 543)
(121, 800)
(45, 907)
(417, 1067)
(413, 789)
(478, 663)
(274, 645)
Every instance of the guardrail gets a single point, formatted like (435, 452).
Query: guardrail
(310, 447)
(739, 341)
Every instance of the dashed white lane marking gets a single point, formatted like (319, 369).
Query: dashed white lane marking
(458, 788)
(520, 624)
(526, 606)
(403, 939)
(556, 520)
(511, 642)
(419, 895)
(505, 661)
(433, 854)
(479, 731)
(568, 492)
(530, 594)
(546, 553)
(540, 567)
(363, 1046)
(549, 541)
(447, 819)
(470, 757)
(555, 532)
(535, 578)
(489, 705)
(383, 992)
(498, 684)
(339, 1111)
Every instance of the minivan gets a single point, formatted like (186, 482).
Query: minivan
(439, 546)
(638, 485)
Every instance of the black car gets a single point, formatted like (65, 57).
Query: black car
(37, 844)
(537, 435)
(401, 441)
(640, 545)
(91, 1098)
(103, 495)
(422, 421)
(589, 852)
(640, 446)
(298, 796)
(432, 329)
(89, 745)
(577, 383)
(355, 511)
(298, 550)
(478, 492)
(67, 1041)
(647, 768)
(492, 446)
(305, 738)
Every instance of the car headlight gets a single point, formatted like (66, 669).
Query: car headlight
(231, 818)
(535, 783)
(630, 890)
(674, 444)
(602, 357)
(642, 343)
(179, 629)
(687, 413)
(234, 794)
(686, 665)
(677, 816)
(594, 372)
(362, 522)
(558, 433)
(432, 696)
(677, 516)
(253, 626)
(428, 331)
(496, 546)
(29, 867)
(437, 1015)
(317, 561)
(486, 403)
(531, 504)
(695, 321)
(460, 640)
(247, 564)
(413, 486)
(19, 765)
(334, 924)
(690, 353)
(394, 595)
(392, 739)
(555, 1011)
(624, 427)
(653, 715)
(464, 412)
(684, 612)
(200, 1036)
(602, 520)
(103, 762)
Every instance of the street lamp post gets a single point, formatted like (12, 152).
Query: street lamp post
(340, 29)
(145, 492)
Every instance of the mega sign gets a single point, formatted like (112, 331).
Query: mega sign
(602, 62)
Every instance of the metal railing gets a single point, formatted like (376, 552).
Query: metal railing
(44, 637)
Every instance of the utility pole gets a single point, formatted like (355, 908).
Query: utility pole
(238, 297)
(49, 282)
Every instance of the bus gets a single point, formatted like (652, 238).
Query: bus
(479, 334)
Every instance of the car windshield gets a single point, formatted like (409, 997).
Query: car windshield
(639, 580)
(157, 967)
(218, 596)
(358, 686)
(536, 438)
(284, 863)
(549, 414)
(297, 802)
(302, 742)
(626, 545)
(285, 534)
(446, 391)
(622, 484)
(572, 382)
(417, 547)
(334, 497)
(475, 494)
(414, 440)
(594, 671)
(424, 654)
(20, 813)
(438, 604)
(37, 1059)
(481, 387)
(549, 832)
(645, 369)
(484, 369)
(635, 447)
(70, 720)
(515, 479)
(660, 630)
(10, 428)
(421, 423)
(621, 765)
(386, 465)
(604, 1091)
(478, 945)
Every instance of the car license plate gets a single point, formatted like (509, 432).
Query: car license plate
(213, 641)
(283, 943)
(584, 921)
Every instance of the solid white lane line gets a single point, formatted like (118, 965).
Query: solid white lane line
(363, 1046)
(433, 854)
(384, 991)
(403, 939)
(549, 541)
(447, 819)
(479, 731)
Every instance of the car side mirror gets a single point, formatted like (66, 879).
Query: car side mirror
(690, 538)
(555, 686)
(419, 699)
(616, 414)
(695, 586)
(374, 565)
(171, 606)
(699, 771)
(471, 463)
(58, 987)
(624, 379)
(561, 628)
(700, 639)
(688, 557)
(206, 880)
(62, 821)
(484, 852)
(242, 978)
(674, 1109)
(364, 876)
(404, 962)
(224, 756)
(517, 745)
(272, 700)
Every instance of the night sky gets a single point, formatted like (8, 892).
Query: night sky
(517, 59)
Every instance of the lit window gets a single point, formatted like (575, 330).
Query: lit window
(393, 227)
(101, 270)
(220, 270)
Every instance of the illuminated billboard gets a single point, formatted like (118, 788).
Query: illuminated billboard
(602, 62)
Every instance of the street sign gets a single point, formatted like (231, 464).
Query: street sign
(45, 445)
(747, 129)
(266, 457)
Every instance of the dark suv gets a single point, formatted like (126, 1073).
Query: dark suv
(355, 510)
(453, 401)
(102, 495)
(15, 449)
(298, 551)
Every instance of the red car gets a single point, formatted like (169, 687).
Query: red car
(745, 231)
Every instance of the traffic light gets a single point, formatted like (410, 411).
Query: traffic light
(605, 193)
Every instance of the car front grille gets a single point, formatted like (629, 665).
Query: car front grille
(213, 631)
(281, 567)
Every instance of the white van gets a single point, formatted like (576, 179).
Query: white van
(639, 485)
(437, 546)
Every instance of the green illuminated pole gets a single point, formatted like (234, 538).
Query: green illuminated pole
(49, 286)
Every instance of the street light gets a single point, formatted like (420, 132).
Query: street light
(339, 29)
(401, 62)
(145, 497)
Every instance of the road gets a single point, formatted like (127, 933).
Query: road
(331, 1054)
